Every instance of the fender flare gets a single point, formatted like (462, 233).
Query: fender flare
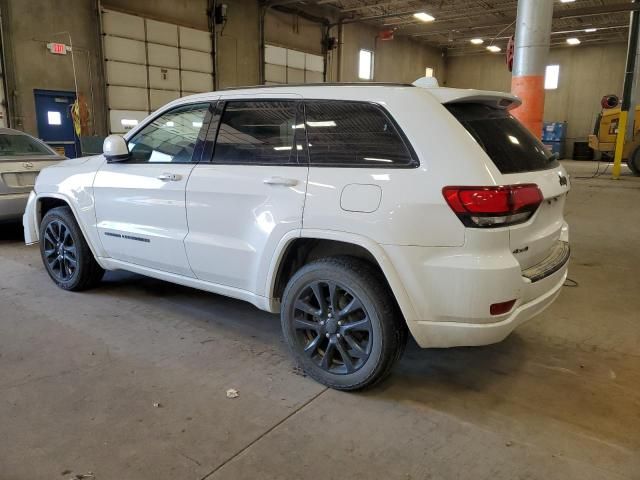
(74, 211)
(374, 248)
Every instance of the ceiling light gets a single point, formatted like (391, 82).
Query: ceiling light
(424, 17)
(494, 48)
(567, 1)
(477, 41)
(573, 41)
(591, 30)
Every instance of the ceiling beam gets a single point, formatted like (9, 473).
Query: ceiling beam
(444, 27)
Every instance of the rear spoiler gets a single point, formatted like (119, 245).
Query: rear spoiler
(501, 100)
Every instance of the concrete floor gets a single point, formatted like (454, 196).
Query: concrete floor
(559, 399)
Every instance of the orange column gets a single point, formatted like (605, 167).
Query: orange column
(533, 34)
(530, 88)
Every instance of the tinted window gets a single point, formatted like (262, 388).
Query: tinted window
(12, 145)
(509, 144)
(170, 138)
(352, 134)
(257, 132)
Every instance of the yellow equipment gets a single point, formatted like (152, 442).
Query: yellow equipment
(604, 137)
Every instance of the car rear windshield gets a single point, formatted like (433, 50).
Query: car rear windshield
(511, 147)
(21, 145)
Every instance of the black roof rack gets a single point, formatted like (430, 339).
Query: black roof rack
(328, 84)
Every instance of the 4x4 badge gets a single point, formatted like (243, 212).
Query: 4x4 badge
(563, 180)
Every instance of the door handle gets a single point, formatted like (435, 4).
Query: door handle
(169, 177)
(287, 182)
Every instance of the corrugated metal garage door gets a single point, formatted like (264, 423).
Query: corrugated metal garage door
(283, 65)
(149, 63)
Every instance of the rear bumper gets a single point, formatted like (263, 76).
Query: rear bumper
(452, 334)
(12, 206)
(452, 289)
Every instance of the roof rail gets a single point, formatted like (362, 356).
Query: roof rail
(327, 84)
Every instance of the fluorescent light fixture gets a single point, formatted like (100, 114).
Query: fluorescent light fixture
(424, 17)
(196, 124)
(494, 48)
(477, 41)
(170, 124)
(551, 75)
(129, 122)
(567, 1)
(591, 30)
(301, 125)
(573, 41)
(428, 72)
(326, 123)
(281, 148)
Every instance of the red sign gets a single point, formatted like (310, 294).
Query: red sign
(57, 48)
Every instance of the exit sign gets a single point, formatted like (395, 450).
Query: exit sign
(58, 48)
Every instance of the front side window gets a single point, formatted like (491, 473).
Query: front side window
(354, 134)
(20, 145)
(258, 132)
(170, 138)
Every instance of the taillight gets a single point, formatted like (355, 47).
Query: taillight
(488, 207)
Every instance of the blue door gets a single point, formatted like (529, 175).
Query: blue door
(55, 125)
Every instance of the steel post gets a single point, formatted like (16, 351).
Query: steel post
(533, 34)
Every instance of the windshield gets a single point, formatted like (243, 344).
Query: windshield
(511, 147)
(22, 145)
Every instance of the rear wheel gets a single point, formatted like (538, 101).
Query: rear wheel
(341, 323)
(634, 162)
(65, 253)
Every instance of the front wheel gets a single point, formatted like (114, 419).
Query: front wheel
(634, 162)
(341, 323)
(65, 253)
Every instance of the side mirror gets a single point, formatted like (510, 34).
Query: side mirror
(115, 149)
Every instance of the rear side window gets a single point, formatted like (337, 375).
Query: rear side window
(257, 132)
(354, 134)
(509, 144)
(20, 145)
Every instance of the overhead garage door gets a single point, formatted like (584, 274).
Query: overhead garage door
(283, 65)
(149, 63)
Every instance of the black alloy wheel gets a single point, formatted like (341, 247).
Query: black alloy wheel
(65, 252)
(341, 322)
(333, 328)
(59, 251)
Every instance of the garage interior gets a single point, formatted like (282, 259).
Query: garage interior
(129, 380)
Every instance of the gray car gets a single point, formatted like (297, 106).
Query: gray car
(21, 159)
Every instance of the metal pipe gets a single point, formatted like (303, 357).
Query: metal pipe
(5, 87)
(632, 51)
(211, 20)
(340, 55)
(533, 35)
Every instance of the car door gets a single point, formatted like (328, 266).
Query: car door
(251, 193)
(140, 202)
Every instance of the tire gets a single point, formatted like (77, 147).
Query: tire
(65, 253)
(634, 162)
(352, 341)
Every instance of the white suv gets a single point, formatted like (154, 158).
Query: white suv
(354, 211)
